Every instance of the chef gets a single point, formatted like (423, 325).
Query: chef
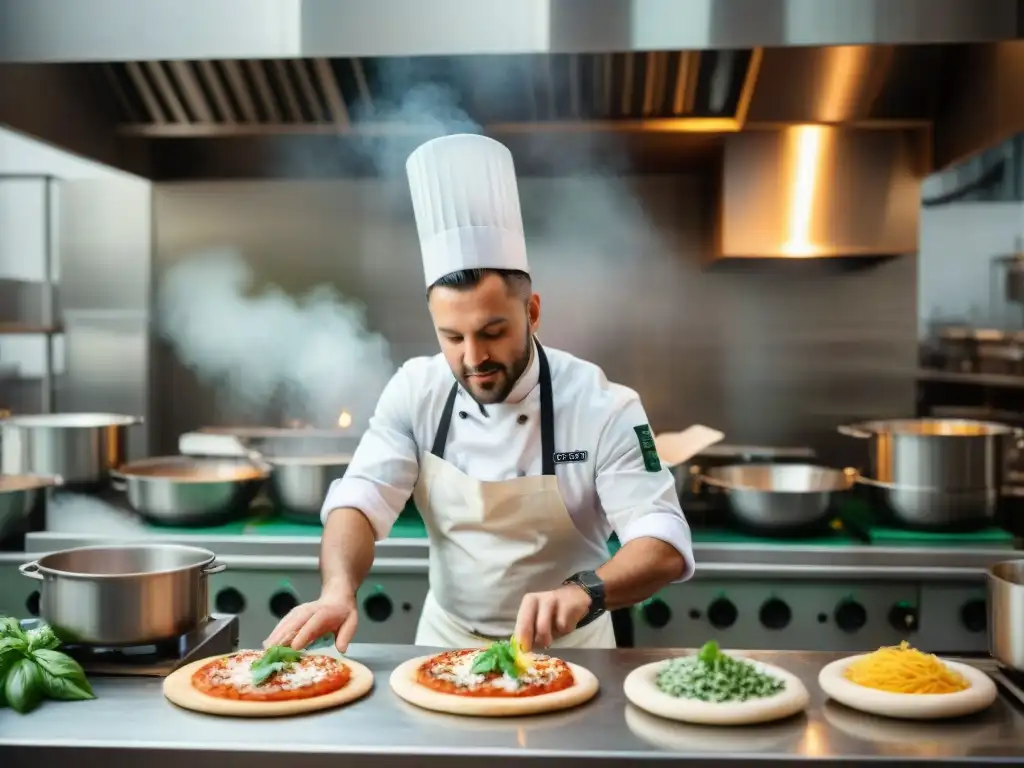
(521, 459)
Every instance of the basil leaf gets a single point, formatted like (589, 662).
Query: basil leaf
(506, 660)
(6, 662)
(42, 637)
(261, 674)
(485, 663)
(277, 654)
(23, 686)
(13, 645)
(11, 627)
(63, 678)
(709, 652)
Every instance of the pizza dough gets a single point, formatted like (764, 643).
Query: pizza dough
(404, 684)
(641, 689)
(909, 706)
(179, 690)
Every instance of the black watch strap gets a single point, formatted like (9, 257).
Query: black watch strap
(593, 585)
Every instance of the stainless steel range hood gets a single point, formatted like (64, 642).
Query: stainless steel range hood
(177, 89)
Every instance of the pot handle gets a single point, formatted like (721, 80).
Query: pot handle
(31, 570)
(850, 431)
(705, 480)
(213, 568)
(256, 459)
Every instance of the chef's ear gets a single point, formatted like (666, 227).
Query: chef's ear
(533, 311)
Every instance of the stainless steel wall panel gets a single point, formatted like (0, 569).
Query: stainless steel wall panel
(769, 358)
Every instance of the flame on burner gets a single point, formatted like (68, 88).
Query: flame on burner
(345, 420)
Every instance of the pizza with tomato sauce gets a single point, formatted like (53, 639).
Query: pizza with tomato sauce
(275, 681)
(247, 676)
(495, 681)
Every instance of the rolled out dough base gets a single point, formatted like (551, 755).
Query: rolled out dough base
(404, 684)
(641, 689)
(178, 690)
(909, 706)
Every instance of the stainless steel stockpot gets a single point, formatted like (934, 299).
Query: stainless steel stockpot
(944, 454)
(780, 496)
(182, 490)
(299, 485)
(1006, 613)
(124, 595)
(81, 448)
(19, 496)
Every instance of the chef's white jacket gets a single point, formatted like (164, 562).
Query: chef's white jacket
(611, 490)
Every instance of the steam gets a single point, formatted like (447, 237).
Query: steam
(313, 354)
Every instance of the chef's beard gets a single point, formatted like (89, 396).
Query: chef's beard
(497, 389)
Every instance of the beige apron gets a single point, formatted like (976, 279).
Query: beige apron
(491, 542)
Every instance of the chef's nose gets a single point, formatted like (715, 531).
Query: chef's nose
(475, 354)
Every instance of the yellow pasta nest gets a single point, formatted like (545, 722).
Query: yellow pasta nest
(904, 670)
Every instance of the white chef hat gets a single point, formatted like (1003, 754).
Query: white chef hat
(466, 203)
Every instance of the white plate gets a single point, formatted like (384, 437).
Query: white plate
(641, 689)
(909, 706)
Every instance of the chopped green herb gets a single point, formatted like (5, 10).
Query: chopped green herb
(501, 657)
(276, 658)
(713, 676)
(32, 669)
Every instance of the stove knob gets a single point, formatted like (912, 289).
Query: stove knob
(850, 616)
(903, 617)
(229, 600)
(775, 614)
(282, 602)
(32, 604)
(656, 613)
(974, 616)
(377, 607)
(722, 613)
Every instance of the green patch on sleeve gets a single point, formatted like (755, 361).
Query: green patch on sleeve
(651, 461)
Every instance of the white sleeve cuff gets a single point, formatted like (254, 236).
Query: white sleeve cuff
(667, 527)
(356, 493)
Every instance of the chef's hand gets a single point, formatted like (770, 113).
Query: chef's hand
(544, 616)
(333, 612)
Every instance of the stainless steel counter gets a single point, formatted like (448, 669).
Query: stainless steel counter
(130, 724)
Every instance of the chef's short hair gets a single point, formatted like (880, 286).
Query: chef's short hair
(516, 281)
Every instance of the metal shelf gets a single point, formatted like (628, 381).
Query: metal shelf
(20, 329)
(996, 380)
(49, 326)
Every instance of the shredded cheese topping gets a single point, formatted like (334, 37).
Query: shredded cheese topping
(535, 670)
(236, 672)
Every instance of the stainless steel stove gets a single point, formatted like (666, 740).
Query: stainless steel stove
(219, 635)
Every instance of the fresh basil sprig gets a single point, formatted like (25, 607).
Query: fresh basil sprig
(497, 658)
(275, 659)
(709, 652)
(32, 669)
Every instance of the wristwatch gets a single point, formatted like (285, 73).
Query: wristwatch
(592, 584)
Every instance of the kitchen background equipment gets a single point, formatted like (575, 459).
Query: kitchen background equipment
(218, 635)
(1006, 613)
(948, 454)
(128, 595)
(183, 490)
(81, 448)
(21, 497)
(935, 509)
(780, 498)
(299, 484)
(703, 504)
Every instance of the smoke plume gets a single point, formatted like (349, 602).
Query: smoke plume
(311, 353)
